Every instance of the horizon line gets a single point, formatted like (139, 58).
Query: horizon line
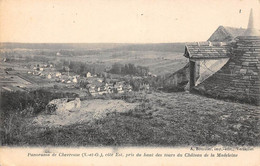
(97, 42)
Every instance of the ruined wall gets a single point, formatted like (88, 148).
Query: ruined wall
(177, 81)
(239, 78)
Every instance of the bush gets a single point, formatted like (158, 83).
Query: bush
(21, 101)
(50, 108)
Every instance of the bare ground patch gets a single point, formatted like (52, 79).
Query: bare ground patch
(89, 111)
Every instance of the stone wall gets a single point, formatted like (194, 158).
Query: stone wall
(177, 81)
(239, 78)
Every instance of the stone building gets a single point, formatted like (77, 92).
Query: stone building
(226, 34)
(231, 70)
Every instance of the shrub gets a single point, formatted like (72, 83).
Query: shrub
(22, 101)
(50, 108)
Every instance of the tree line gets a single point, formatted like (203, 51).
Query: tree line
(80, 68)
(129, 69)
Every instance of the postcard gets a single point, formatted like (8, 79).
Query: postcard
(117, 82)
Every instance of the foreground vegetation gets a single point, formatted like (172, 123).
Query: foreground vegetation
(161, 119)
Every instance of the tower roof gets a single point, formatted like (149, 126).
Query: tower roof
(251, 30)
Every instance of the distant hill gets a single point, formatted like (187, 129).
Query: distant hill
(163, 47)
(57, 46)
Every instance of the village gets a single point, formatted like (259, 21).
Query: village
(31, 76)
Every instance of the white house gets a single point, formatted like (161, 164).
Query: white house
(58, 74)
(88, 75)
(75, 80)
(49, 76)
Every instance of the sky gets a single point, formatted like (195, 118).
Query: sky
(120, 21)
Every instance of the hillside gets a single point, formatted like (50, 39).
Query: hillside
(159, 119)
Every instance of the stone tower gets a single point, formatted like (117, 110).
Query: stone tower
(239, 78)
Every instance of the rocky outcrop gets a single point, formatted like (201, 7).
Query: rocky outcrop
(60, 106)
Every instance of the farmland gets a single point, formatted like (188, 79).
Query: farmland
(47, 65)
(160, 58)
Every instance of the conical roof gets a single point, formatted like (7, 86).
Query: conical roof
(251, 30)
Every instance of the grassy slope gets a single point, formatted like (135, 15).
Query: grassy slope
(163, 119)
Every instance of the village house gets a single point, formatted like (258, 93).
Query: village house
(92, 90)
(75, 80)
(58, 74)
(36, 73)
(229, 66)
(96, 87)
(127, 88)
(109, 87)
(88, 75)
(144, 86)
(49, 76)
(102, 90)
(118, 86)
(99, 80)
(41, 74)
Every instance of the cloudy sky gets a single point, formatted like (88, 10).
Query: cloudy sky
(119, 21)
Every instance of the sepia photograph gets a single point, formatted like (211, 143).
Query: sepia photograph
(138, 74)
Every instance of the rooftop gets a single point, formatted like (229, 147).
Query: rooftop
(206, 50)
(225, 34)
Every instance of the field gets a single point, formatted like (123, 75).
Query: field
(159, 58)
(158, 119)
(159, 63)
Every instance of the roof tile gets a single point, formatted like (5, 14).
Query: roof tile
(206, 50)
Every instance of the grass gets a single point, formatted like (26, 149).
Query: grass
(161, 119)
